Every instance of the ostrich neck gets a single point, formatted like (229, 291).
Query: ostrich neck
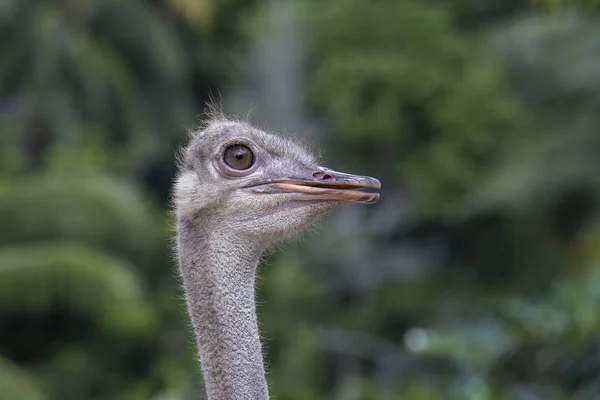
(218, 271)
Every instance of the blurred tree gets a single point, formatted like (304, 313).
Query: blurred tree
(556, 5)
(94, 70)
(94, 98)
(18, 384)
(402, 84)
(495, 140)
(61, 286)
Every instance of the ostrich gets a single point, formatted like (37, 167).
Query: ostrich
(238, 191)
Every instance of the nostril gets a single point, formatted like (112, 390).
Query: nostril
(322, 176)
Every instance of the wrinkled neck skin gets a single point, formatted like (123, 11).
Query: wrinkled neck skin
(218, 270)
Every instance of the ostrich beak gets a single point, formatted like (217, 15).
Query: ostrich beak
(322, 185)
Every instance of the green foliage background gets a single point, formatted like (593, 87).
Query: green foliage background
(476, 277)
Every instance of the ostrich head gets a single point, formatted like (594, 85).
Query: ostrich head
(261, 185)
(239, 190)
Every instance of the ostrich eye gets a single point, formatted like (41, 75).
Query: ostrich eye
(238, 157)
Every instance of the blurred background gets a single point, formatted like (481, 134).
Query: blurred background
(477, 276)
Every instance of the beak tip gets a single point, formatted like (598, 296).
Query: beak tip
(376, 183)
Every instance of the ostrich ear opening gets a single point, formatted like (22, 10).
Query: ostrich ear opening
(185, 194)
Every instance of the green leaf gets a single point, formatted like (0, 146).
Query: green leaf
(35, 277)
(99, 211)
(16, 383)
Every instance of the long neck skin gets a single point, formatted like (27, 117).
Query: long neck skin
(218, 271)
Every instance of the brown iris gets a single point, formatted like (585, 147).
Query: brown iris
(238, 157)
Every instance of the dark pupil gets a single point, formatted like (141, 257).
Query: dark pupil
(238, 157)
